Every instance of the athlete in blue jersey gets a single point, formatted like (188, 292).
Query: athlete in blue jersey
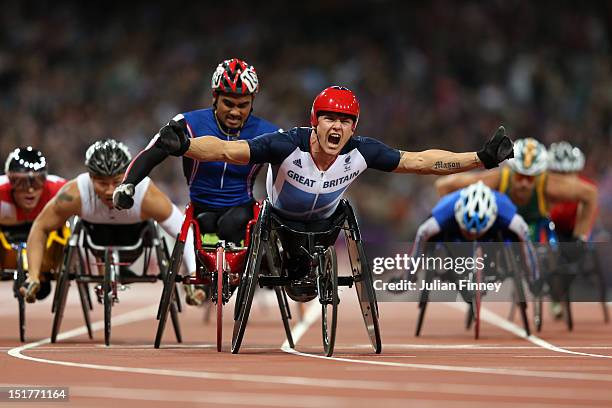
(475, 213)
(221, 193)
(312, 167)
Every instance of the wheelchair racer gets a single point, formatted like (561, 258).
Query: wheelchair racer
(89, 196)
(25, 188)
(476, 213)
(221, 193)
(567, 160)
(533, 190)
(312, 167)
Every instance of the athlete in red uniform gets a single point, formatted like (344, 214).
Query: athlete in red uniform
(569, 160)
(25, 189)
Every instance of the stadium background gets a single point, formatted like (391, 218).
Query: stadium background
(438, 75)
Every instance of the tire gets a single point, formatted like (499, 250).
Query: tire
(168, 290)
(328, 296)
(61, 293)
(107, 288)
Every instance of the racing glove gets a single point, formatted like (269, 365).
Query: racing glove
(172, 139)
(497, 149)
(123, 196)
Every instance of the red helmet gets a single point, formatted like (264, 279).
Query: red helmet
(236, 77)
(335, 99)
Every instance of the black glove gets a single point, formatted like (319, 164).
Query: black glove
(172, 139)
(497, 149)
(123, 196)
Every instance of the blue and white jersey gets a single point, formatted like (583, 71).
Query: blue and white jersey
(443, 220)
(219, 184)
(297, 188)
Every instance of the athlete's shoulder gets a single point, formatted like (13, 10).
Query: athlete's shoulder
(503, 202)
(54, 183)
(199, 121)
(376, 154)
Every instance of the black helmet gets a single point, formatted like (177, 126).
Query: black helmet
(25, 159)
(107, 158)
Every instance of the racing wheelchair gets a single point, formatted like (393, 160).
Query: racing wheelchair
(219, 268)
(312, 253)
(501, 264)
(110, 249)
(13, 243)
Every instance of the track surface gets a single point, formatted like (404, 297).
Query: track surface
(445, 367)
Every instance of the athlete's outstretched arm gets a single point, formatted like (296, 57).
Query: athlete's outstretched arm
(66, 203)
(497, 149)
(210, 148)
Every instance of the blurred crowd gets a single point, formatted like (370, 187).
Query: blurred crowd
(443, 74)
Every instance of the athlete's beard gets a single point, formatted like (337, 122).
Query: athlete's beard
(231, 132)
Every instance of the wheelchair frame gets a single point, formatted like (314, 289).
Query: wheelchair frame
(324, 267)
(19, 274)
(217, 275)
(77, 266)
(474, 298)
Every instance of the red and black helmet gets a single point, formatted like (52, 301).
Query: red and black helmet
(335, 99)
(235, 76)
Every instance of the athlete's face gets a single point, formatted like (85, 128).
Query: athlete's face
(333, 132)
(27, 198)
(104, 187)
(233, 110)
(522, 187)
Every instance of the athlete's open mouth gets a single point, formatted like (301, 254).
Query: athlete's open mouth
(333, 139)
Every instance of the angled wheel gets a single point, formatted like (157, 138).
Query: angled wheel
(168, 290)
(365, 291)
(85, 305)
(107, 288)
(248, 282)
(477, 302)
(424, 298)
(20, 278)
(273, 257)
(519, 291)
(328, 296)
(61, 292)
(220, 277)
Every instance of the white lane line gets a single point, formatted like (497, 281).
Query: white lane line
(496, 320)
(313, 312)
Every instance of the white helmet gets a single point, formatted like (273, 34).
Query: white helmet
(476, 209)
(530, 157)
(565, 158)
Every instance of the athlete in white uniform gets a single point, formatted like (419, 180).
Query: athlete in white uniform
(89, 196)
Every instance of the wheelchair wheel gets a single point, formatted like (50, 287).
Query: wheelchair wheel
(328, 296)
(85, 305)
(424, 298)
(61, 292)
(168, 290)
(477, 302)
(248, 283)
(107, 288)
(20, 278)
(220, 277)
(365, 291)
(519, 290)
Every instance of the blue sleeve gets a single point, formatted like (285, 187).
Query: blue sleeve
(271, 148)
(505, 209)
(378, 155)
(444, 211)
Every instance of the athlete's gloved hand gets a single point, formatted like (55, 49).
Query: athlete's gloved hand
(123, 196)
(172, 139)
(194, 295)
(497, 149)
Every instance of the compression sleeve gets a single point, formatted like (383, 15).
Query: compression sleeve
(172, 225)
(147, 159)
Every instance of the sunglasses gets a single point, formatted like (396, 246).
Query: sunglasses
(26, 181)
(520, 177)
